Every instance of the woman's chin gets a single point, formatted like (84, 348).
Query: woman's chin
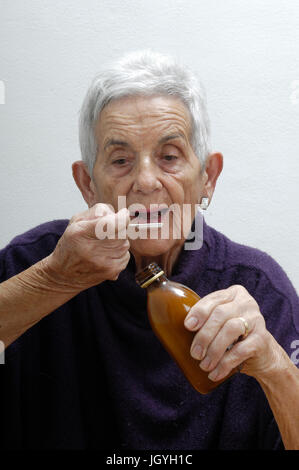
(146, 248)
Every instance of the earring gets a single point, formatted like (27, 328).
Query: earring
(204, 203)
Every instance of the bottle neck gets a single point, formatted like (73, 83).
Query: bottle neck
(151, 276)
(158, 282)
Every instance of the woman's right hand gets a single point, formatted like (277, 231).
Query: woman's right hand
(82, 260)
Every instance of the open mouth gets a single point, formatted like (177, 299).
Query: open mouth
(149, 216)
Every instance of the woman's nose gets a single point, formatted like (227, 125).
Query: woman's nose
(146, 177)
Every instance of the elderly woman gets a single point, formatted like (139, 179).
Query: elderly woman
(83, 369)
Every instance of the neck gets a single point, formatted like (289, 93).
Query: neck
(166, 260)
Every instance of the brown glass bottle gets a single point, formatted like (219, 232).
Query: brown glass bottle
(168, 303)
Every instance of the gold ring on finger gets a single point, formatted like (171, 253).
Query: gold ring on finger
(246, 328)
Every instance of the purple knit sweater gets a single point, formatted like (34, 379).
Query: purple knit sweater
(92, 375)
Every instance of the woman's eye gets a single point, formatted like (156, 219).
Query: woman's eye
(170, 158)
(119, 161)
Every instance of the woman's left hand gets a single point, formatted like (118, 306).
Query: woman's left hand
(231, 332)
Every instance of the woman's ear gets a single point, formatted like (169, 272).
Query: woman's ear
(213, 168)
(84, 182)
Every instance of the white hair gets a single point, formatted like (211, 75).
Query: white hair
(144, 73)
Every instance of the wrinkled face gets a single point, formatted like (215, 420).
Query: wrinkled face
(144, 153)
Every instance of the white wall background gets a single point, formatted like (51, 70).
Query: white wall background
(247, 53)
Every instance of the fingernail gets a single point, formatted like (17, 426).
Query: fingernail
(213, 375)
(197, 352)
(205, 364)
(191, 322)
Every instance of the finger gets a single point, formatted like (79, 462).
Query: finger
(231, 331)
(100, 209)
(200, 312)
(124, 259)
(101, 227)
(213, 325)
(233, 358)
(122, 221)
(121, 250)
(118, 265)
(86, 228)
(92, 213)
(105, 227)
(113, 226)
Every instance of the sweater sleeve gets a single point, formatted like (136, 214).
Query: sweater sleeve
(278, 302)
(25, 250)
